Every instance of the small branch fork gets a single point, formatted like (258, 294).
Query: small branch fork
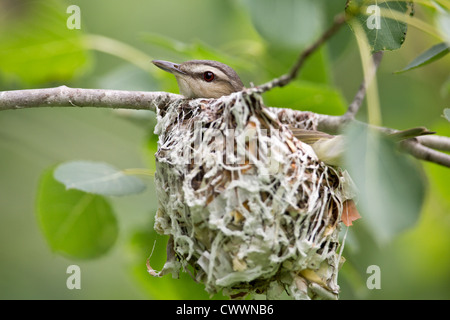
(424, 148)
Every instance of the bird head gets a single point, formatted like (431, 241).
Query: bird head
(203, 78)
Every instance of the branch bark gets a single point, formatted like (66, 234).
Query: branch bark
(75, 97)
(435, 142)
(419, 151)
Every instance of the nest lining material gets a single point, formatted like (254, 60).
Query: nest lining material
(248, 207)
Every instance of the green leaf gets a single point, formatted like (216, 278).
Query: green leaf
(37, 46)
(383, 32)
(307, 96)
(447, 113)
(434, 53)
(390, 185)
(76, 224)
(97, 178)
(287, 23)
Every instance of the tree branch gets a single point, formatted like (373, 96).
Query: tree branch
(418, 150)
(73, 97)
(435, 142)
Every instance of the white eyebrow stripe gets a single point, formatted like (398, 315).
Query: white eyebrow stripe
(201, 69)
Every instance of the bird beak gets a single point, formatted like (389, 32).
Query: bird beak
(168, 66)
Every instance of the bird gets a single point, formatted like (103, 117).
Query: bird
(212, 79)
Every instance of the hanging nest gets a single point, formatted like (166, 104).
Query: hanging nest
(248, 207)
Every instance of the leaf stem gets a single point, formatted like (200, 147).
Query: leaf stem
(354, 107)
(368, 64)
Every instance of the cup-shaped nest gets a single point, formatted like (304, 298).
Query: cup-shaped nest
(248, 207)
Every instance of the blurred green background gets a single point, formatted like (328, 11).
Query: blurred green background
(38, 50)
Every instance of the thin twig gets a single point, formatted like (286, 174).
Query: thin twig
(435, 142)
(419, 151)
(339, 20)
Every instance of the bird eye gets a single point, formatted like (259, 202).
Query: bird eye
(208, 76)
